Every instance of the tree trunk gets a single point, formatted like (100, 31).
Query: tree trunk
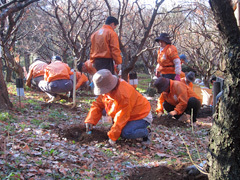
(224, 147)
(27, 60)
(8, 75)
(4, 99)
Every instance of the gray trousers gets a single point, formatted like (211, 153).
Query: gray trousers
(54, 87)
(35, 81)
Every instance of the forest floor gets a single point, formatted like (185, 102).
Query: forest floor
(39, 140)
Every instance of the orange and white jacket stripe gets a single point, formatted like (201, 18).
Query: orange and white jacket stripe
(165, 59)
(105, 44)
(178, 96)
(123, 104)
(56, 71)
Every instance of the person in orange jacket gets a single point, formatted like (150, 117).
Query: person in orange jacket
(183, 60)
(189, 79)
(86, 67)
(36, 72)
(105, 46)
(168, 60)
(56, 79)
(131, 112)
(176, 98)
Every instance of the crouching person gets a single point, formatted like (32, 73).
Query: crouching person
(36, 72)
(56, 79)
(131, 112)
(176, 98)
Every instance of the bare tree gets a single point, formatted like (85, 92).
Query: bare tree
(224, 147)
(200, 41)
(72, 24)
(10, 15)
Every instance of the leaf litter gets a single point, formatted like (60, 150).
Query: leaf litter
(35, 146)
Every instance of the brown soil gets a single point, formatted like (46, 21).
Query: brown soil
(164, 173)
(78, 134)
(163, 120)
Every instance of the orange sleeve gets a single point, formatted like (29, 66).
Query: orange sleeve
(95, 113)
(160, 104)
(120, 120)
(81, 78)
(115, 49)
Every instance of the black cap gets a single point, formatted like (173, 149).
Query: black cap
(164, 37)
(111, 19)
(79, 66)
(56, 58)
(162, 84)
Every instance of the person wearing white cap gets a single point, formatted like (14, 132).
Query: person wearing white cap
(131, 112)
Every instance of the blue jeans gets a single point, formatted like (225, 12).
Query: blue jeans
(135, 129)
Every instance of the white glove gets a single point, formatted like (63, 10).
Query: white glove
(112, 142)
(88, 127)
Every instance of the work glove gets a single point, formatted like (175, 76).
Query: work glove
(88, 128)
(177, 77)
(111, 142)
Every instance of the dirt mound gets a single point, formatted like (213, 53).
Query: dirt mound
(164, 173)
(165, 121)
(205, 111)
(78, 134)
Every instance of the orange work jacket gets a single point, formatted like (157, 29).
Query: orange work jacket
(178, 96)
(190, 83)
(121, 106)
(165, 59)
(105, 44)
(35, 69)
(57, 70)
(81, 78)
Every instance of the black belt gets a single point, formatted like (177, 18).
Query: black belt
(169, 66)
(103, 59)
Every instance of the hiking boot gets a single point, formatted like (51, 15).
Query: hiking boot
(147, 141)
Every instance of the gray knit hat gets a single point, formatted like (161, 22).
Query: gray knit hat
(190, 76)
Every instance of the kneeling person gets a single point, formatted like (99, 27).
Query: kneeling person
(56, 79)
(176, 98)
(131, 112)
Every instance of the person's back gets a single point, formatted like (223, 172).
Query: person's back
(38, 68)
(36, 72)
(105, 46)
(57, 70)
